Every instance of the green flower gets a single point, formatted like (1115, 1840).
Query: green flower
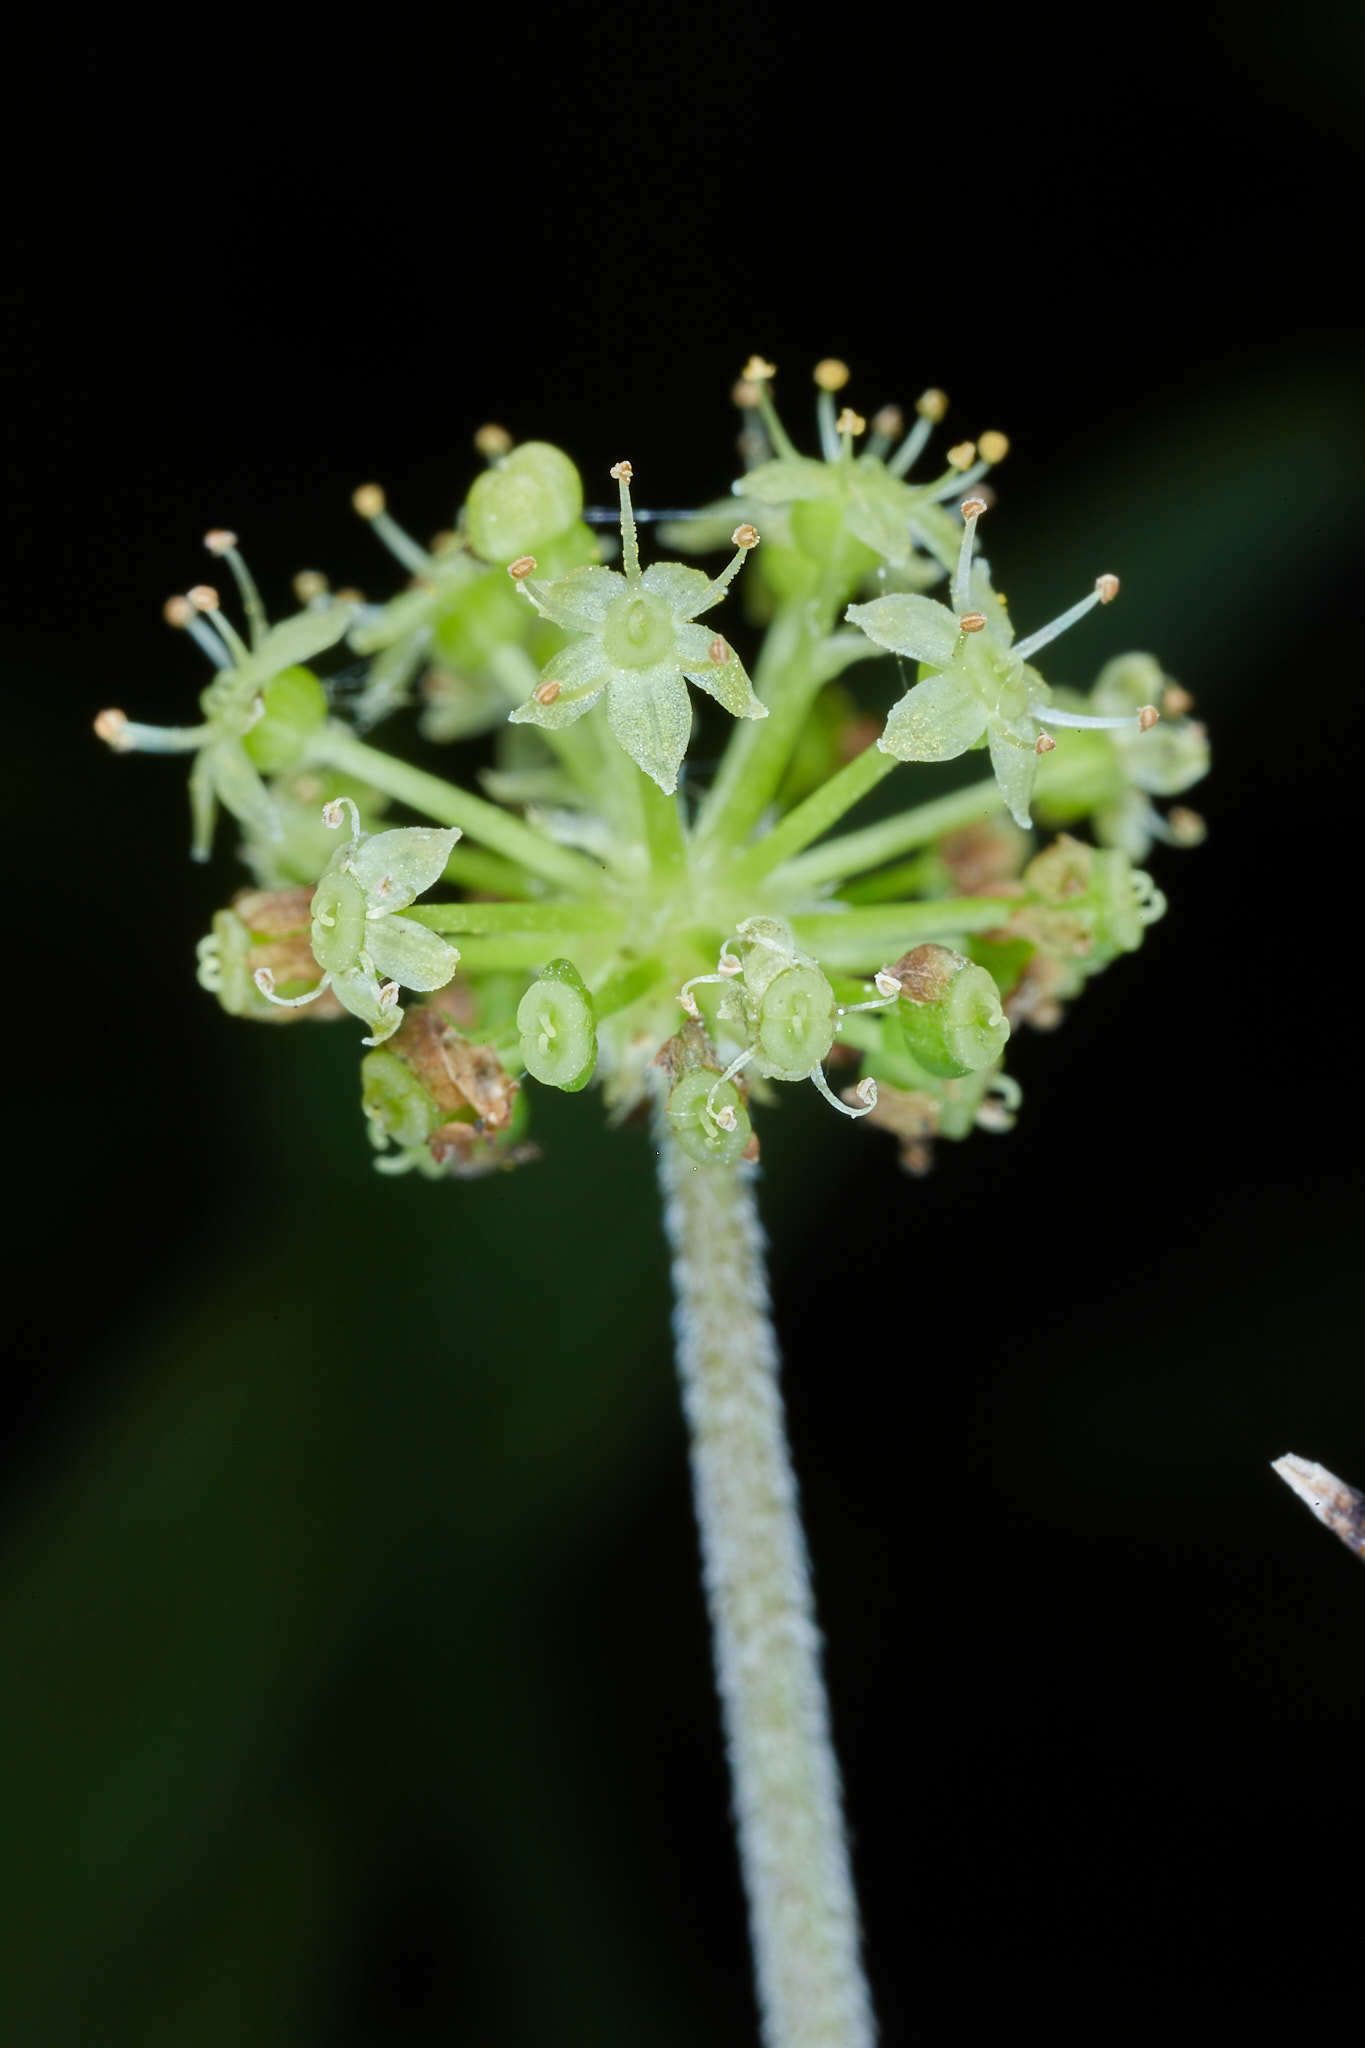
(976, 684)
(635, 639)
(357, 934)
(1111, 775)
(460, 615)
(259, 713)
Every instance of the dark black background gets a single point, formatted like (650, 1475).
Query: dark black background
(358, 1675)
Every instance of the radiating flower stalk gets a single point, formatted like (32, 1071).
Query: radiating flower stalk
(599, 914)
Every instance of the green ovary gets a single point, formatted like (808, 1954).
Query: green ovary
(796, 1023)
(637, 632)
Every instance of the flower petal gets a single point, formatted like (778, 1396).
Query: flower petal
(650, 713)
(293, 643)
(685, 591)
(581, 599)
(239, 788)
(581, 670)
(409, 954)
(911, 625)
(720, 673)
(794, 476)
(394, 867)
(1014, 758)
(989, 602)
(935, 721)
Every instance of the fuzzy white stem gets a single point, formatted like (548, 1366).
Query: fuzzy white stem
(803, 1914)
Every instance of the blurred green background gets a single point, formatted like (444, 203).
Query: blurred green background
(356, 1680)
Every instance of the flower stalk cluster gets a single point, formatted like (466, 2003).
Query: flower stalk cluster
(599, 912)
(612, 918)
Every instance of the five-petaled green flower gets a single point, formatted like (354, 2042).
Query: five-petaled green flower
(636, 639)
(259, 711)
(975, 683)
(357, 934)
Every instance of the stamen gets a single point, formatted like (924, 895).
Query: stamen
(1176, 702)
(931, 405)
(888, 990)
(831, 374)
(962, 454)
(310, 585)
(888, 424)
(493, 442)
(972, 622)
(850, 425)
(1105, 591)
(204, 598)
(125, 737)
(740, 1060)
(630, 541)
(524, 566)
(1044, 744)
(992, 446)
(334, 816)
(180, 613)
(727, 967)
(265, 982)
(744, 538)
(546, 692)
(759, 374)
(224, 544)
(972, 509)
(369, 502)
(866, 1093)
(954, 486)
(1085, 721)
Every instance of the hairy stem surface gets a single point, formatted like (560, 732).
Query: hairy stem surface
(803, 1915)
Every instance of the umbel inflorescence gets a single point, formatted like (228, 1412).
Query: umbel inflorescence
(599, 912)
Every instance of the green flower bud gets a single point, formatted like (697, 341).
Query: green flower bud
(523, 502)
(295, 708)
(951, 1015)
(796, 1020)
(709, 1119)
(558, 1029)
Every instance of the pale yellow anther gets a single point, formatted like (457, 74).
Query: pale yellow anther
(1148, 717)
(348, 594)
(203, 597)
(726, 1118)
(177, 611)
(1176, 702)
(887, 983)
(993, 446)
(932, 404)
(718, 651)
(745, 393)
(1045, 744)
(1187, 825)
(622, 473)
(546, 692)
(309, 584)
(962, 455)
(492, 441)
(850, 422)
(219, 541)
(745, 536)
(112, 727)
(524, 566)
(830, 374)
(972, 622)
(264, 980)
(446, 538)
(972, 508)
(334, 814)
(1108, 588)
(757, 371)
(368, 500)
(889, 422)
